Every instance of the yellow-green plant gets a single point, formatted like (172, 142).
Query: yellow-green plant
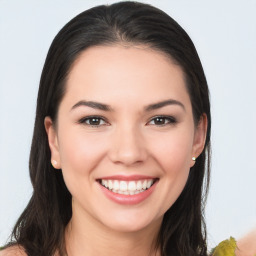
(225, 248)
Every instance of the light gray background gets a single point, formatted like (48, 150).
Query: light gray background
(224, 33)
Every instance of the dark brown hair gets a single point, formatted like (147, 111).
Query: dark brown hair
(40, 228)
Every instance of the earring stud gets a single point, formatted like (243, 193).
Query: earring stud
(54, 163)
(194, 158)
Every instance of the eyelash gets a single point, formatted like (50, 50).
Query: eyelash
(91, 118)
(168, 120)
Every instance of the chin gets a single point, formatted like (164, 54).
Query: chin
(125, 223)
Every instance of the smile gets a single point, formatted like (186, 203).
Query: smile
(127, 187)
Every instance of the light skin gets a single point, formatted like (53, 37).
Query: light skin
(126, 112)
(246, 246)
(124, 89)
(130, 80)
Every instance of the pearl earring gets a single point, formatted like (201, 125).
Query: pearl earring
(54, 163)
(194, 158)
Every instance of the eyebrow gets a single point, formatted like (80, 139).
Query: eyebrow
(92, 104)
(163, 104)
(105, 107)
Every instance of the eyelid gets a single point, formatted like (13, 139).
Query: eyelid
(172, 120)
(84, 119)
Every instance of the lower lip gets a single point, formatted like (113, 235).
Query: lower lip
(128, 199)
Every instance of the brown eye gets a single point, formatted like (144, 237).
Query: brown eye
(162, 120)
(93, 121)
(159, 120)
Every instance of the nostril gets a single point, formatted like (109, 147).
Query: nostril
(128, 157)
(127, 147)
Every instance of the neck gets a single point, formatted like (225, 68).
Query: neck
(86, 236)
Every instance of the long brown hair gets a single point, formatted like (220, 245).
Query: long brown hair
(40, 228)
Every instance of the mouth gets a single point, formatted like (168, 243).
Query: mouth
(131, 187)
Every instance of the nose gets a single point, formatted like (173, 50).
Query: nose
(128, 146)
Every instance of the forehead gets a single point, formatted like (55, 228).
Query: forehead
(136, 73)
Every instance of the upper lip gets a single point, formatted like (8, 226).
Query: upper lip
(127, 177)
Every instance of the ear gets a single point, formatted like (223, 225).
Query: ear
(199, 138)
(53, 142)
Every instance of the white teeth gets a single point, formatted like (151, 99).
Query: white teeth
(104, 183)
(127, 187)
(149, 183)
(144, 185)
(139, 185)
(123, 186)
(132, 186)
(110, 184)
(116, 185)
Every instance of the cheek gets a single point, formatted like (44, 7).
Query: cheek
(80, 155)
(80, 152)
(173, 156)
(173, 151)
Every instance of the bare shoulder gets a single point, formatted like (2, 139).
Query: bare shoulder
(246, 246)
(13, 251)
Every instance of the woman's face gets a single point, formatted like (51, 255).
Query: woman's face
(125, 136)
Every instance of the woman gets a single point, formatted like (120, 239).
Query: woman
(121, 140)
